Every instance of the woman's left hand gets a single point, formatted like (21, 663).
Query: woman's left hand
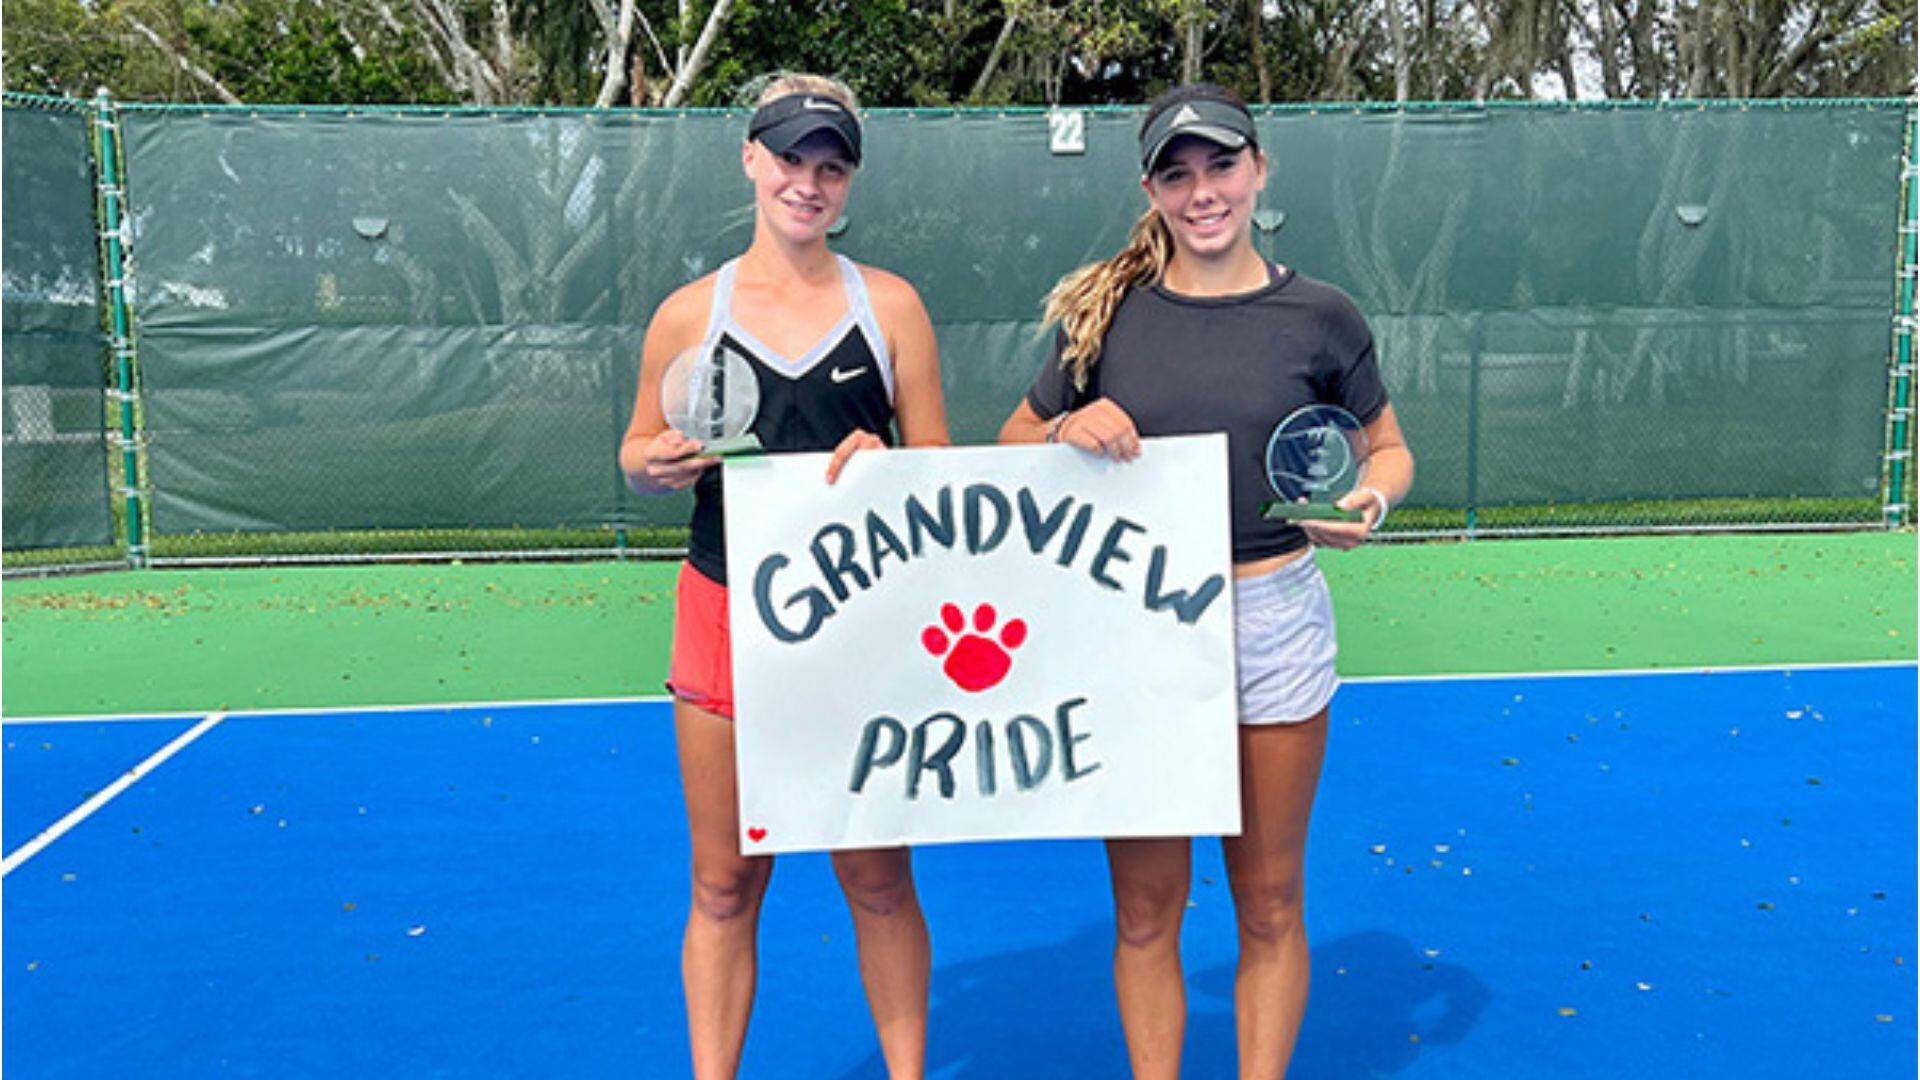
(856, 440)
(1346, 535)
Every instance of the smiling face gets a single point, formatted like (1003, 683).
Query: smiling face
(801, 193)
(1206, 193)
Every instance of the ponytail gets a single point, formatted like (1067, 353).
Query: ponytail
(1084, 301)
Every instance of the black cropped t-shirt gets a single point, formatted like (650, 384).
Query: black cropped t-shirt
(1185, 365)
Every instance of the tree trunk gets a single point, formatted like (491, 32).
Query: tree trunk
(1402, 59)
(619, 47)
(993, 57)
(1257, 45)
(1697, 78)
(1564, 61)
(1194, 38)
(1607, 42)
(697, 59)
(194, 71)
(1650, 78)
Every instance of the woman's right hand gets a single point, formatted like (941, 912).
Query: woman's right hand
(1100, 427)
(670, 461)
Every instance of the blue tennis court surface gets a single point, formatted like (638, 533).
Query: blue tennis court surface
(1699, 875)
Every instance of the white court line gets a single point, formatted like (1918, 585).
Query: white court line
(1610, 673)
(85, 810)
(341, 710)
(646, 699)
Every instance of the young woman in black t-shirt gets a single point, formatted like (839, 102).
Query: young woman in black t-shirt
(1187, 330)
(842, 353)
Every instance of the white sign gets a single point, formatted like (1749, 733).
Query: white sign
(982, 643)
(1067, 131)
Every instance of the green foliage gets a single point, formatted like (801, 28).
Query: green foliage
(300, 51)
(953, 52)
(54, 47)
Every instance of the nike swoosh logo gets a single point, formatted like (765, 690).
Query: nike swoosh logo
(842, 376)
(819, 106)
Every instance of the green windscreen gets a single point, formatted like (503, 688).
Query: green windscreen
(432, 320)
(56, 469)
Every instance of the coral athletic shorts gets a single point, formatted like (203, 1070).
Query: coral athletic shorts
(701, 672)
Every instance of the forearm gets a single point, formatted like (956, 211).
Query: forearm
(1024, 426)
(1390, 472)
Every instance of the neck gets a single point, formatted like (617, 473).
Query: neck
(1240, 269)
(773, 255)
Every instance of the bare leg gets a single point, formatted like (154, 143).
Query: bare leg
(1150, 879)
(894, 952)
(718, 957)
(1279, 770)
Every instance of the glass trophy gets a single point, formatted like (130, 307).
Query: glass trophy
(711, 394)
(1315, 457)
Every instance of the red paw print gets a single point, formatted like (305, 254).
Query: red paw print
(976, 661)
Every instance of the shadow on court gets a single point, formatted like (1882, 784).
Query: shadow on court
(1049, 1011)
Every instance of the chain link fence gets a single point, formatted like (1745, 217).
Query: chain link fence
(389, 333)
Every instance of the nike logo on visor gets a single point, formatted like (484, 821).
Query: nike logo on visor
(819, 106)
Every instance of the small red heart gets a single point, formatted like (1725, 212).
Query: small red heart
(756, 834)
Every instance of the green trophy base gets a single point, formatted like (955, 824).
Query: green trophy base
(1308, 511)
(746, 445)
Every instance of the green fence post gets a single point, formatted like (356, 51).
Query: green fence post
(1474, 343)
(1897, 509)
(106, 126)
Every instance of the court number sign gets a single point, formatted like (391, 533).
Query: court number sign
(1067, 131)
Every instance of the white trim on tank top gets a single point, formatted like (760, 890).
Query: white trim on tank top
(859, 314)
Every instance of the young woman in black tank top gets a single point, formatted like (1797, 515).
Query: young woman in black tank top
(1189, 329)
(827, 383)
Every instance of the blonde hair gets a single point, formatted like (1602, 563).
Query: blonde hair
(795, 82)
(1084, 301)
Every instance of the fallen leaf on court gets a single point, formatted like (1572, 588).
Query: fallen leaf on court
(1564, 1011)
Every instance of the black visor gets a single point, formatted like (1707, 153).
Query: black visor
(780, 124)
(1215, 121)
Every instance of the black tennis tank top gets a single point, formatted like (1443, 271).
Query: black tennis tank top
(811, 402)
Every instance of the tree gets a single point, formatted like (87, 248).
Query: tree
(935, 52)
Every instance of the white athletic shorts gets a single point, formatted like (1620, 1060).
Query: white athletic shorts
(1283, 631)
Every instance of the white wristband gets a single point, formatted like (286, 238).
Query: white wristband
(1380, 498)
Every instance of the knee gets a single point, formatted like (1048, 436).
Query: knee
(1148, 916)
(1270, 912)
(729, 891)
(876, 885)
